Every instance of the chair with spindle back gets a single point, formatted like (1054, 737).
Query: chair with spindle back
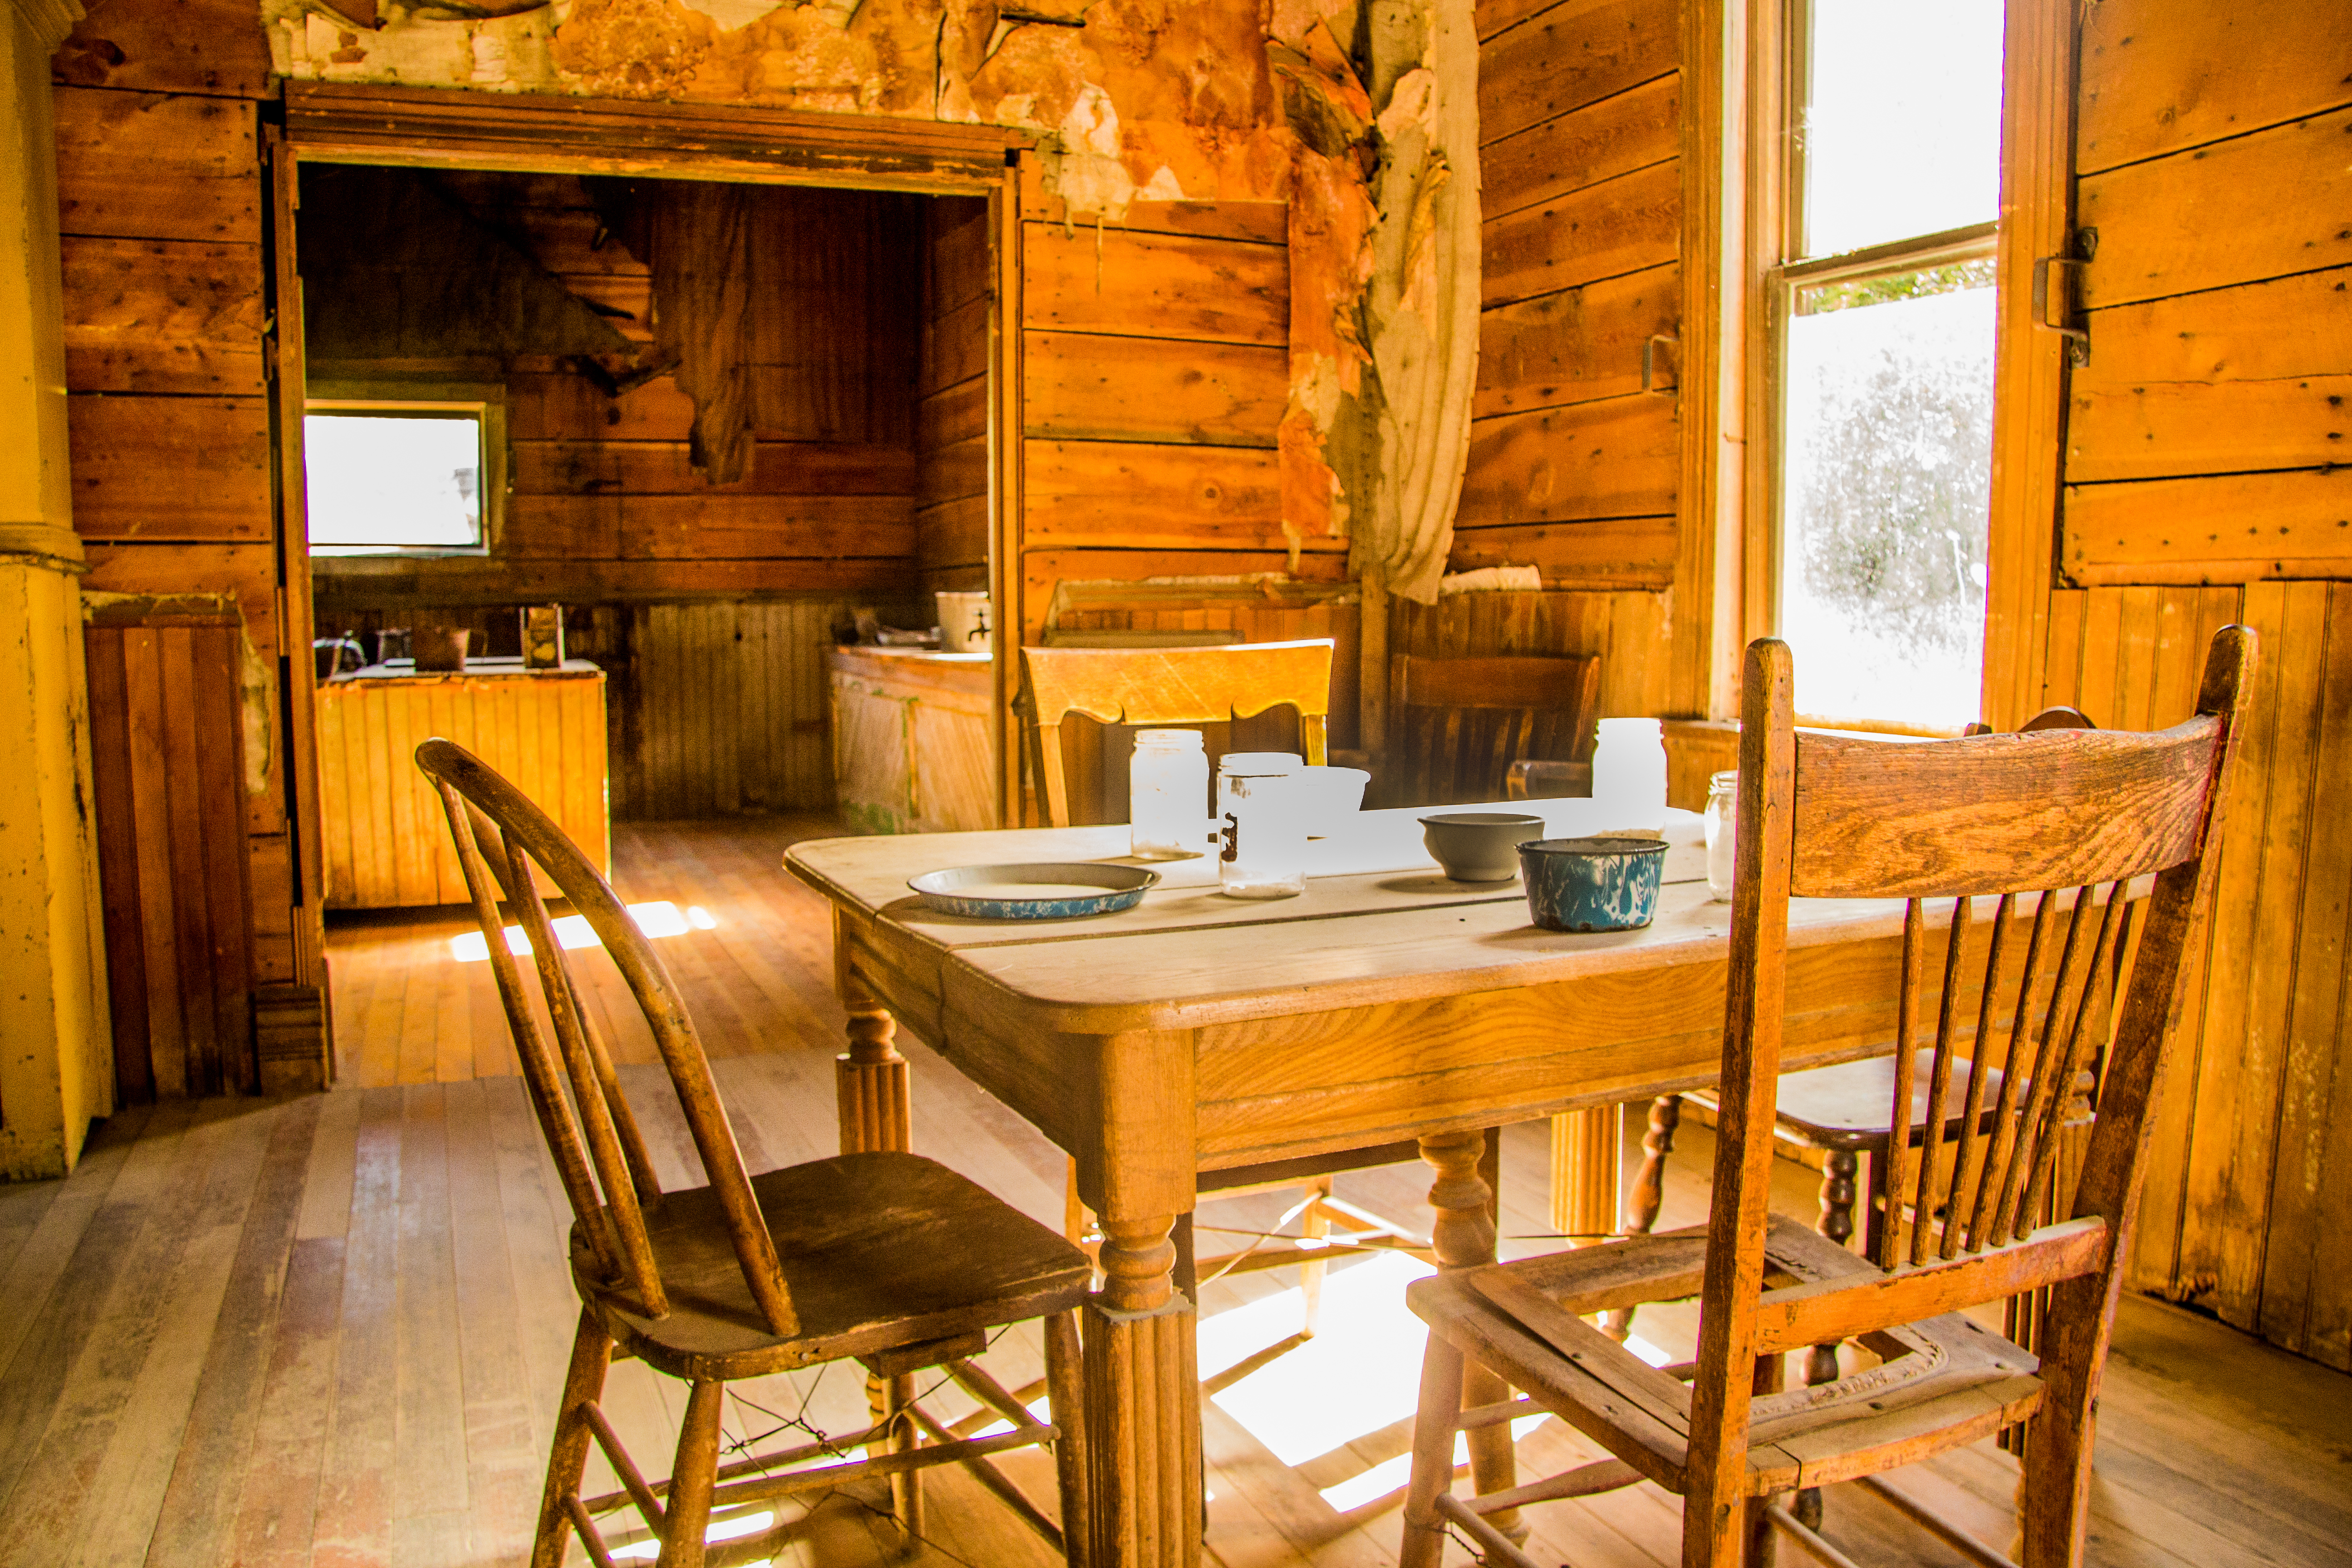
(2052, 828)
(888, 1257)
(1458, 725)
(1193, 686)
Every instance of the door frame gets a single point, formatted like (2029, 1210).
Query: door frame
(428, 127)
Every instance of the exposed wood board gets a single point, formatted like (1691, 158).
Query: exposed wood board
(1616, 553)
(960, 263)
(2211, 217)
(1570, 54)
(1628, 130)
(1087, 386)
(952, 414)
(1150, 284)
(1580, 344)
(1618, 458)
(955, 473)
(2163, 429)
(359, 584)
(2159, 78)
(954, 535)
(663, 468)
(1044, 567)
(1711, 369)
(2305, 1305)
(2252, 978)
(1135, 496)
(1258, 223)
(168, 46)
(163, 316)
(2287, 327)
(1617, 227)
(955, 347)
(171, 467)
(2232, 528)
(718, 525)
(143, 165)
(542, 406)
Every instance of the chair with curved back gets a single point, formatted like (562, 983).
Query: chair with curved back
(2052, 830)
(890, 1258)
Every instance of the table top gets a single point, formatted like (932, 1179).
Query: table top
(1378, 923)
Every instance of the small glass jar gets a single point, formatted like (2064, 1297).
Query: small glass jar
(1168, 796)
(1722, 822)
(1261, 824)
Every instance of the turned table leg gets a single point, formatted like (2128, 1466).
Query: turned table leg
(1463, 1237)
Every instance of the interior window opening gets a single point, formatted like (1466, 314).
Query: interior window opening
(388, 478)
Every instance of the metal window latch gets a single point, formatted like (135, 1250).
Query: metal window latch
(1649, 363)
(2078, 339)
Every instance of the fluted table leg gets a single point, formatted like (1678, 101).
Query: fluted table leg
(1143, 1405)
(1463, 1237)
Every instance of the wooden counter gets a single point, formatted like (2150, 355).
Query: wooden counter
(386, 842)
(913, 748)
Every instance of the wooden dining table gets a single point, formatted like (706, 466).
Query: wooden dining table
(1198, 1032)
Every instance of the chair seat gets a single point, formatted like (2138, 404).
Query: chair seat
(1844, 1106)
(880, 1251)
(1944, 1382)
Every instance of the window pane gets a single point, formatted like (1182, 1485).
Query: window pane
(1902, 133)
(1888, 482)
(384, 481)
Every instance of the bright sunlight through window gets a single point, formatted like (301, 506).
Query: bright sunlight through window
(380, 481)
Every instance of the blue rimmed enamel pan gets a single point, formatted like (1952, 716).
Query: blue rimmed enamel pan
(1047, 891)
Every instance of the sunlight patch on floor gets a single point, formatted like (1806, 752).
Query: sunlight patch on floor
(657, 919)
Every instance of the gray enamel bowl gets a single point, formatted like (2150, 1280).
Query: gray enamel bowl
(1594, 884)
(1480, 845)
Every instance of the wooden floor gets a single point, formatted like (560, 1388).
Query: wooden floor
(331, 1330)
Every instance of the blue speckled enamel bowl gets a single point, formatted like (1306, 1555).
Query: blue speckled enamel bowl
(988, 892)
(1592, 884)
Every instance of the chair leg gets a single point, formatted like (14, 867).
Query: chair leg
(1066, 1399)
(1433, 1454)
(567, 1459)
(1314, 1222)
(687, 1514)
(1763, 1540)
(2053, 1493)
(886, 1399)
(1837, 1223)
(1649, 1190)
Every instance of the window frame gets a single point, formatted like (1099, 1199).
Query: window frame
(1778, 193)
(486, 401)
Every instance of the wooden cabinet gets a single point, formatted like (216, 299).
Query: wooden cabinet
(387, 844)
(913, 748)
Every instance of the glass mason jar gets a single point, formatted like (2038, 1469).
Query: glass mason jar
(1168, 796)
(1262, 825)
(1628, 772)
(1722, 818)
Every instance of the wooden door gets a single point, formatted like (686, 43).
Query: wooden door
(168, 763)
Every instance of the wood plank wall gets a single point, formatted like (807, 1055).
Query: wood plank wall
(168, 765)
(951, 397)
(1573, 468)
(1157, 362)
(160, 194)
(2196, 477)
(709, 607)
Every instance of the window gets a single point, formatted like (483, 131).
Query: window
(1883, 302)
(388, 476)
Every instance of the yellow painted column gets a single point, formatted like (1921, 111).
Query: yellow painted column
(57, 1065)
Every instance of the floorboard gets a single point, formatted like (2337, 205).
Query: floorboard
(329, 1332)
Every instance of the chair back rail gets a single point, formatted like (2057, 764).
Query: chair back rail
(1170, 686)
(500, 835)
(1459, 723)
(2060, 819)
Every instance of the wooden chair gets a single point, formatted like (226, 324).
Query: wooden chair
(1170, 686)
(1456, 725)
(1842, 1112)
(2057, 823)
(1183, 686)
(888, 1257)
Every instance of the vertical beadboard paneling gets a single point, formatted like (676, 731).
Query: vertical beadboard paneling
(731, 714)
